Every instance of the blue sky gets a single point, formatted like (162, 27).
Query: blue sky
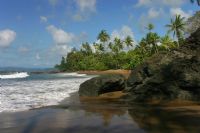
(36, 33)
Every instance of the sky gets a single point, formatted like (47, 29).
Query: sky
(37, 33)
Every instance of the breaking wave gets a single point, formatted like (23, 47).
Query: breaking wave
(14, 75)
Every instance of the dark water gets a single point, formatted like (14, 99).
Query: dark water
(103, 117)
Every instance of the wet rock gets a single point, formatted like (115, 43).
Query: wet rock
(169, 75)
(102, 84)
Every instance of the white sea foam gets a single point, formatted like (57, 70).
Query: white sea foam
(28, 94)
(74, 74)
(14, 75)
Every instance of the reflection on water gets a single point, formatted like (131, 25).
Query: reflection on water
(102, 117)
(168, 120)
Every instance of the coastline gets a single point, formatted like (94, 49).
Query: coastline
(125, 73)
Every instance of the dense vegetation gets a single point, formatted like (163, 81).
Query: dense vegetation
(116, 53)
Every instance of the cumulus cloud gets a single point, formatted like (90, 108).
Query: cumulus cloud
(153, 13)
(86, 5)
(43, 19)
(60, 37)
(64, 41)
(84, 9)
(179, 11)
(122, 33)
(7, 36)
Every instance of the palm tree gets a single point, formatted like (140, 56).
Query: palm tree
(86, 48)
(118, 45)
(99, 47)
(177, 26)
(128, 41)
(150, 27)
(167, 42)
(103, 36)
(198, 1)
(143, 47)
(153, 39)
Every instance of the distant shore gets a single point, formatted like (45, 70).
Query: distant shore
(126, 73)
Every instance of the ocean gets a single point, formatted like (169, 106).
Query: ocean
(20, 91)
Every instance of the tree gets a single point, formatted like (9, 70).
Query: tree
(128, 41)
(103, 36)
(150, 27)
(86, 48)
(153, 39)
(99, 47)
(193, 23)
(177, 26)
(118, 45)
(167, 42)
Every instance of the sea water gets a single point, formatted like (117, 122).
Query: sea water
(21, 91)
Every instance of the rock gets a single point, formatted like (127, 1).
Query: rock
(102, 84)
(168, 75)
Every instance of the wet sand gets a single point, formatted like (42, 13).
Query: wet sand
(76, 115)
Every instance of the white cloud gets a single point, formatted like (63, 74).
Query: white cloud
(122, 33)
(155, 3)
(7, 36)
(60, 37)
(84, 9)
(86, 5)
(153, 13)
(43, 19)
(179, 11)
(143, 3)
(61, 49)
(78, 17)
(63, 40)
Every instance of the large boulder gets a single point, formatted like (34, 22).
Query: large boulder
(169, 75)
(102, 84)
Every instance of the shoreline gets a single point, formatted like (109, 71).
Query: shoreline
(125, 73)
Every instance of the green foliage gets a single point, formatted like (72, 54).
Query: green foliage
(177, 26)
(112, 54)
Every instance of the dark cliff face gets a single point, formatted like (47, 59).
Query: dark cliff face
(169, 75)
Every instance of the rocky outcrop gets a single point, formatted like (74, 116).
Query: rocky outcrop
(169, 75)
(102, 84)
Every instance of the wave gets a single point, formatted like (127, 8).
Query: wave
(14, 75)
(74, 74)
(28, 94)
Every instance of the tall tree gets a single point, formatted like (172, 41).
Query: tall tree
(153, 39)
(150, 27)
(177, 26)
(99, 47)
(86, 48)
(118, 45)
(103, 36)
(167, 42)
(128, 41)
